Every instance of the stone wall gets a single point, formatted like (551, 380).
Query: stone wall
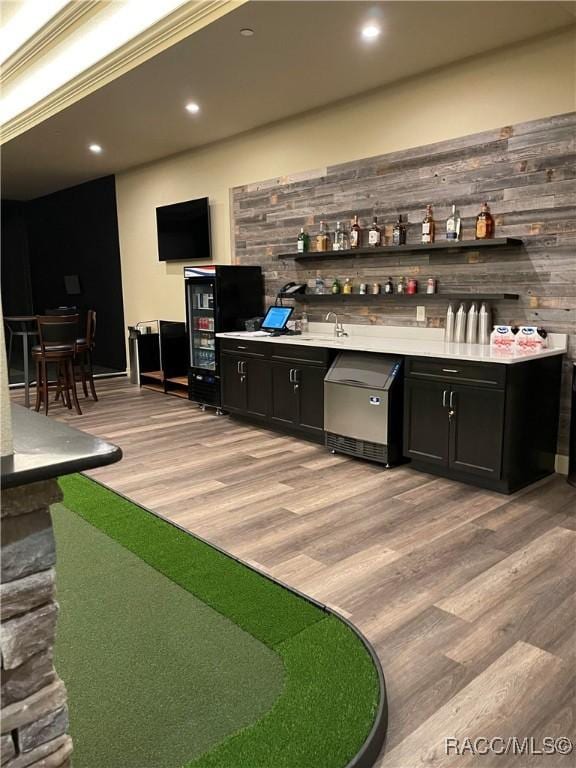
(526, 172)
(34, 728)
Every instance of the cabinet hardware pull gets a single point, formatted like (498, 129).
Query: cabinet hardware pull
(450, 370)
(243, 369)
(296, 372)
(239, 346)
(239, 367)
(290, 375)
(451, 403)
(444, 398)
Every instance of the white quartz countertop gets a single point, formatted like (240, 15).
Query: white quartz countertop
(419, 344)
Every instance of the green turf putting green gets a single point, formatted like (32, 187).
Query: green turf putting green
(177, 655)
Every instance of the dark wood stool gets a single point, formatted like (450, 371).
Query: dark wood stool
(57, 335)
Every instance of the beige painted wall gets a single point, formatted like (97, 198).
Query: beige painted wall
(529, 81)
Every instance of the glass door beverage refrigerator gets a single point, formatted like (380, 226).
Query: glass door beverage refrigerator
(218, 299)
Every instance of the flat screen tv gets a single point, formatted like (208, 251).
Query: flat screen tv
(184, 231)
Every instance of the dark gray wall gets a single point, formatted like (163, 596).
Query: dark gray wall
(75, 232)
(527, 172)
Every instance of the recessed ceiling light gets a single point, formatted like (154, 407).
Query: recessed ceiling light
(370, 31)
(193, 108)
(246, 32)
(95, 148)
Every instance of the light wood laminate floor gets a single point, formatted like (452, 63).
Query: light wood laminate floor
(467, 595)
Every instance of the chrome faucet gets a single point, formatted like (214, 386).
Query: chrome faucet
(338, 327)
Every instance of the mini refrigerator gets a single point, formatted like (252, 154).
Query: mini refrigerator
(219, 298)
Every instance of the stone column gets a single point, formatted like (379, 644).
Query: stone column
(34, 729)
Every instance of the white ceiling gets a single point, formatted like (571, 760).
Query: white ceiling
(302, 56)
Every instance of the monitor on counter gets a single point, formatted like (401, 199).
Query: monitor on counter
(276, 318)
(184, 231)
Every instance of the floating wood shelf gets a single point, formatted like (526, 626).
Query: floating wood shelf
(413, 297)
(441, 245)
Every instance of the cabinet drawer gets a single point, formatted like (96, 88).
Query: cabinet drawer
(241, 347)
(487, 374)
(300, 354)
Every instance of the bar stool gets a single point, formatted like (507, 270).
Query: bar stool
(57, 336)
(83, 358)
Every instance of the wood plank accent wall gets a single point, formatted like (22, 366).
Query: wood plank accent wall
(527, 173)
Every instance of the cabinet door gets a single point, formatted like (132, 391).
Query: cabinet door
(284, 395)
(476, 430)
(232, 383)
(426, 425)
(310, 389)
(257, 385)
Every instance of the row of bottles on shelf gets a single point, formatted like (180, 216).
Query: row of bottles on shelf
(204, 358)
(342, 240)
(472, 326)
(400, 287)
(203, 323)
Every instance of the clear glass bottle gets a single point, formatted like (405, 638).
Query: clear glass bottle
(453, 225)
(400, 285)
(341, 242)
(319, 285)
(428, 226)
(304, 323)
(323, 238)
(303, 241)
(374, 234)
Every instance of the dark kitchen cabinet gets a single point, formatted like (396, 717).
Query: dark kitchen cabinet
(297, 396)
(245, 384)
(476, 429)
(278, 384)
(426, 426)
(477, 422)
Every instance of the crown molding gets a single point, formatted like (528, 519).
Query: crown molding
(48, 35)
(181, 23)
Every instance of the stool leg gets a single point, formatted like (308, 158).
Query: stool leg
(58, 385)
(83, 378)
(38, 386)
(26, 371)
(45, 386)
(63, 376)
(91, 376)
(72, 380)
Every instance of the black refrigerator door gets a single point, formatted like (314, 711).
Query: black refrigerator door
(202, 323)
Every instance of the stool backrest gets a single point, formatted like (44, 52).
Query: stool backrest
(57, 329)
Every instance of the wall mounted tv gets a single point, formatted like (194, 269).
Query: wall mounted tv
(184, 231)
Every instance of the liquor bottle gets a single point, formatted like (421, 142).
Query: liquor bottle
(335, 286)
(389, 286)
(323, 238)
(428, 226)
(303, 241)
(484, 223)
(355, 234)
(400, 285)
(374, 234)
(340, 238)
(399, 232)
(347, 287)
(319, 287)
(453, 225)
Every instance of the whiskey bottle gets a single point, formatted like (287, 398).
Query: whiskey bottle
(399, 232)
(335, 286)
(347, 287)
(484, 223)
(428, 226)
(355, 234)
(374, 234)
(323, 238)
(453, 225)
(389, 286)
(303, 241)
